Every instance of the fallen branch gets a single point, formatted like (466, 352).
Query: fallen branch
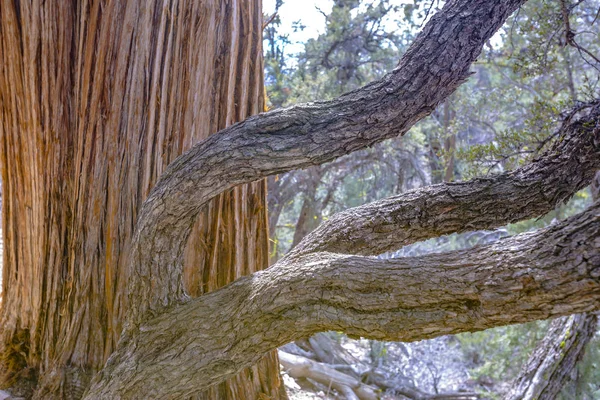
(301, 367)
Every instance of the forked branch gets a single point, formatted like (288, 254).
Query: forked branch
(297, 137)
(552, 272)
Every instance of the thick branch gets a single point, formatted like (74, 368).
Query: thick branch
(531, 276)
(483, 203)
(282, 140)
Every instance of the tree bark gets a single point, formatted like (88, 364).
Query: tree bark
(552, 361)
(548, 273)
(300, 136)
(530, 191)
(96, 99)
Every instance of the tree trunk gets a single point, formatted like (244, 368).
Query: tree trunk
(96, 99)
(173, 346)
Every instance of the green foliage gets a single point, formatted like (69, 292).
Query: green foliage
(525, 78)
(354, 49)
(497, 354)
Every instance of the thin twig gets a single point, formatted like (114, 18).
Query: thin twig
(427, 13)
(570, 36)
(269, 20)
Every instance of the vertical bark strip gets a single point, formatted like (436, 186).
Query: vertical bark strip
(96, 99)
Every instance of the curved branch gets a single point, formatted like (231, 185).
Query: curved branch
(482, 203)
(548, 273)
(281, 140)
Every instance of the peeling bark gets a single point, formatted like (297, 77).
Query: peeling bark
(544, 274)
(96, 99)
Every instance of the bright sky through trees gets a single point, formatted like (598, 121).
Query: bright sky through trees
(306, 13)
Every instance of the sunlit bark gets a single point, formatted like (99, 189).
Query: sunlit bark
(96, 99)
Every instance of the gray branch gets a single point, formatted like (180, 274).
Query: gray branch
(532, 276)
(297, 137)
(482, 203)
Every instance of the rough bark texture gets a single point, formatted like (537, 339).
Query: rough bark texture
(550, 366)
(482, 203)
(281, 140)
(96, 99)
(538, 275)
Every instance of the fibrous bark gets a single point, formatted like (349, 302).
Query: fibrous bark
(96, 99)
(552, 272)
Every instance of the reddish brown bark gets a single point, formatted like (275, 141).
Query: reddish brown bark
(96, 98)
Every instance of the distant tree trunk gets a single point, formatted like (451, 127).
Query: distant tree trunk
(96, 99)
(449, 142)
(310, 212)
(552, 361)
